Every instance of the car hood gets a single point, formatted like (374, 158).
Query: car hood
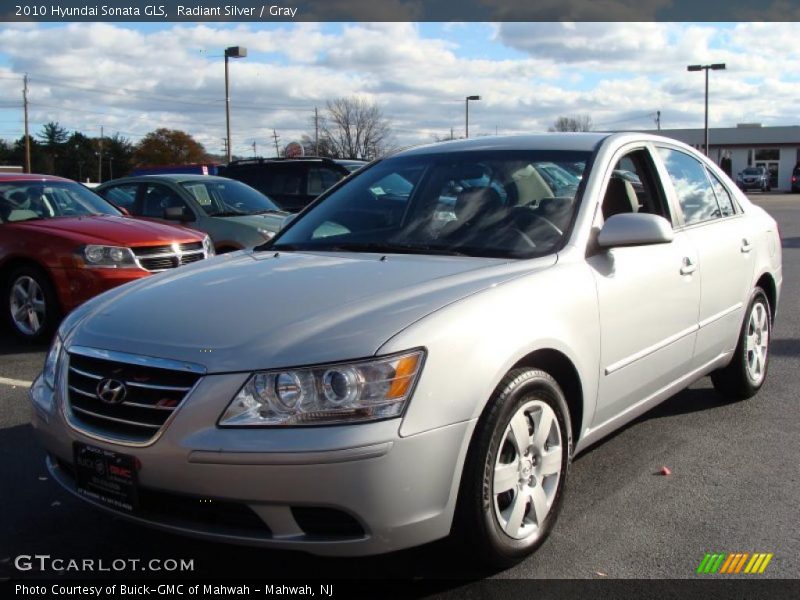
(113, 230)
(269, 221)
(256, 310)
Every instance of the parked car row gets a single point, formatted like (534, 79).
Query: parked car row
(145, 226)
(421, 353)
(61, 244)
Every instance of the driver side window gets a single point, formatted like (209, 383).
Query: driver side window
(633, 187)
(157, 198)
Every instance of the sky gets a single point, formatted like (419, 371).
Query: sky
(132, 78)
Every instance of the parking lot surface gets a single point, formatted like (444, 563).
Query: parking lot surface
(734, 485)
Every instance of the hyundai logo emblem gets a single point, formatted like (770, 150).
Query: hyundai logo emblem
(111, 391)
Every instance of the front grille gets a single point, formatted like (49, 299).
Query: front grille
(161, 258)
(151, 395)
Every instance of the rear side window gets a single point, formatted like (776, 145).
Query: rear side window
(320, 179)
(157, 198)
(695, 194)
(724, 199)
(122, 195)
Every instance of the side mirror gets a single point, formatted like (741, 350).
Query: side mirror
(178, 213)
(635, 229)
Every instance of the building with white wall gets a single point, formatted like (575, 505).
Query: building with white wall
(748, 144)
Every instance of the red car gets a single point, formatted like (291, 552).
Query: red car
(61, 244)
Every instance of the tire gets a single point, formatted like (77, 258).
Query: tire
(487, 521)
(747, 371)
(33, 320)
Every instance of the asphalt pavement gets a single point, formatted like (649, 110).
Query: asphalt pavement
(734, 485)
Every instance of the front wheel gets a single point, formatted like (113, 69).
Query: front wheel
(516, 469)
(746, 373)
(30, 304)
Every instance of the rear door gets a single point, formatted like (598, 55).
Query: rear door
(717, 228)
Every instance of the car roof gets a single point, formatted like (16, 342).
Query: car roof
(174, 177)
(545, 141)
(31, 177)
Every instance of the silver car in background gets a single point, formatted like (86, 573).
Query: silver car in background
(420, 353)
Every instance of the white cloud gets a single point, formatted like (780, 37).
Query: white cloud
(85, 75)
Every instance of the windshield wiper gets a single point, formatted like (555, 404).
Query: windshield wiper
(389, 248)
(267, 211)
(227, 213)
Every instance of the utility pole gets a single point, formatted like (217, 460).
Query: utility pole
(225, 146)
(27, 137)
(316, 132)
(276, 137)
(451, 134)
(254, 149)
(658, 119)
(100, 158)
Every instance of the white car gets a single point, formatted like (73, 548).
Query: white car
(380, 376)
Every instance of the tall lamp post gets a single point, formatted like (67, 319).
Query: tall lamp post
(466, 103)
(706, 68)
(230, 52)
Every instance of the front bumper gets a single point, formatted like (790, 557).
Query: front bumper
(76, 286)
(343, 490)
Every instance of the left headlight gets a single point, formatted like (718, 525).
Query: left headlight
(329, 394)
(113, 257)
(51, 363)
(208, 247)
(266, 233)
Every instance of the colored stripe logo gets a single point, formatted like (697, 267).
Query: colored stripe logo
(734, 563)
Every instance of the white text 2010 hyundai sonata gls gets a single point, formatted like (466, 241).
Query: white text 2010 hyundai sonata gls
(421, 352)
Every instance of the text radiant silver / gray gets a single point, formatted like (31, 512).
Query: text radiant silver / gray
(420, 353)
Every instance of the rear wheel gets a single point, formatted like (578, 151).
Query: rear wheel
(29, 303)
(517, 466)
(746, 373)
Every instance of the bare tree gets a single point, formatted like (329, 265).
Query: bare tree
(355, 128)
(579, 123)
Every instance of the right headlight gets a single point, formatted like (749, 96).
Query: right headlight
(109, 257)
(51, 363)
(340, 393)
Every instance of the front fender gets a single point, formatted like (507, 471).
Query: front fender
(474, 342)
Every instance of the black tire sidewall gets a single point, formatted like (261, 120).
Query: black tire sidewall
(51, 302)
(526, 385)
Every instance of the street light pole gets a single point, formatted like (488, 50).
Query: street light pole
(706, 68)
(466, 103)
(231, 52)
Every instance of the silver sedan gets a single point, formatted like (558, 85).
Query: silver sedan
(421, 353)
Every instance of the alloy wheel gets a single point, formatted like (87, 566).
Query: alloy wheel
(757, 342)
(527, 470)
(27, 305)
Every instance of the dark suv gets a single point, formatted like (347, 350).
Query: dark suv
(754, 178)
(292, 183)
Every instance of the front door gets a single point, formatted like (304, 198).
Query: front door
(648, 297)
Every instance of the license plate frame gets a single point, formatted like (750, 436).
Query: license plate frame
(107, 477)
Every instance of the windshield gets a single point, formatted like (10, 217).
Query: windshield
(512, 204)
(228, 198)
(752, 171)
(29, 200)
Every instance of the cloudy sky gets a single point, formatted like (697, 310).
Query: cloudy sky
(132, 78)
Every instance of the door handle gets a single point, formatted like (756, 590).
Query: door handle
(746, 246)
(688, 267)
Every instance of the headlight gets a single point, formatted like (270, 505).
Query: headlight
(113, 257)
(208, 247)
(266, 233)
(51, 363)
(341, 393)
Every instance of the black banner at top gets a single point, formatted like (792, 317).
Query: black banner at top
(399, 10)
